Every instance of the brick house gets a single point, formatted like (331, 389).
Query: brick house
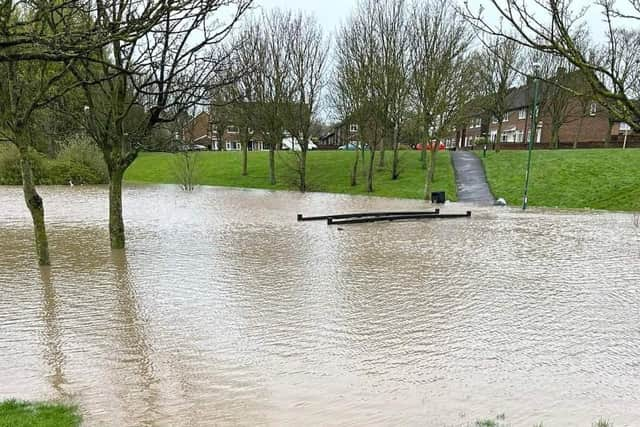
(586, 125)
(198, 130)
(341, 134)
(201, 130)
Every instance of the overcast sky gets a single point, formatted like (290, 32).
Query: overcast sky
(332, 13)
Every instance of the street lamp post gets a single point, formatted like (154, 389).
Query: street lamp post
(532, 134)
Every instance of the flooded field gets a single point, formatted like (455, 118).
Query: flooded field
(226, 311)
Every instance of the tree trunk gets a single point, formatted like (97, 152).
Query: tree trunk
(362, 155)
(245, 148)
(303, 169)
(578, 132)
(381, 161)
(272, 164)
(430, 175)
(395, 173)
(498, 136)
(116, 222)
(36, 208)
(607, 138)
(423, 155)
(555, 137)
(354, 169)
(371, 169)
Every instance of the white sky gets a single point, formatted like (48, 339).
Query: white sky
(332, 13)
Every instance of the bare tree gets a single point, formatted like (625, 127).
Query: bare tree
(499, 74)
(393, 71)
(620, 56)
(440, 77)
(185, 168)
(34, 76)
(556, 101)
(395, 40)
(267, 87)
(363, 83)
(221, 114)
(554, 26)
(167, 70)
(64, 30)
(244, 108)
(20, 101)
(307, 52)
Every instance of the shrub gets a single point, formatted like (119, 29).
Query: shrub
(62, 172)
(79, 155)
(78, 161)
(10, 173)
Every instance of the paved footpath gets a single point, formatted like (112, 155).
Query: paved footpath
(470, 179)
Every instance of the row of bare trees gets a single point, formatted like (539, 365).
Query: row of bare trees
(136, 65)
(608, 62)
(398, 60)
(280, 59)
(133, 66)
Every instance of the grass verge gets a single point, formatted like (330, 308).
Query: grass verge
(596, 178)
(328, 171)
(15, 413)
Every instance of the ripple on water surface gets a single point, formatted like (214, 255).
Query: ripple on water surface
(225, 310)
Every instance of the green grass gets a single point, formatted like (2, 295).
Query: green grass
(328, 171)
(596, 179)
(25, 414)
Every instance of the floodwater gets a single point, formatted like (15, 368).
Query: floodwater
(226, 311)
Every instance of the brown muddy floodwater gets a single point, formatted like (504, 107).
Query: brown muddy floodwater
(226, 311)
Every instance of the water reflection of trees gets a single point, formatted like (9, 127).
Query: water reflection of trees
(134, 349)
(53, 352)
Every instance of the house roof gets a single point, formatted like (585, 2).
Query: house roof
(518, 97)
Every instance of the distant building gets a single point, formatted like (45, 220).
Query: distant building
(197, 130)
(341, 134)
(201, 130)
(586, 125)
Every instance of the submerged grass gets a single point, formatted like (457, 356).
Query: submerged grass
(328, 171)
(500, 421)
(14, 413)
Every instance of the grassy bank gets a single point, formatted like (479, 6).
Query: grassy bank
(597, 179)
(24, 414)
(328, 171)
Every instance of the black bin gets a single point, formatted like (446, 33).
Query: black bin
(437, 197)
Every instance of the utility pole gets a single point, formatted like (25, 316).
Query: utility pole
(532, 134)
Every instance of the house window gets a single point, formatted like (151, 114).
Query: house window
(238, 146)
(505, 137)
(505, 118)
(519, 136)
(493, 136)
(353, 128)
(233, 129)
(593, 109)
(522, 114)
(228, 146)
